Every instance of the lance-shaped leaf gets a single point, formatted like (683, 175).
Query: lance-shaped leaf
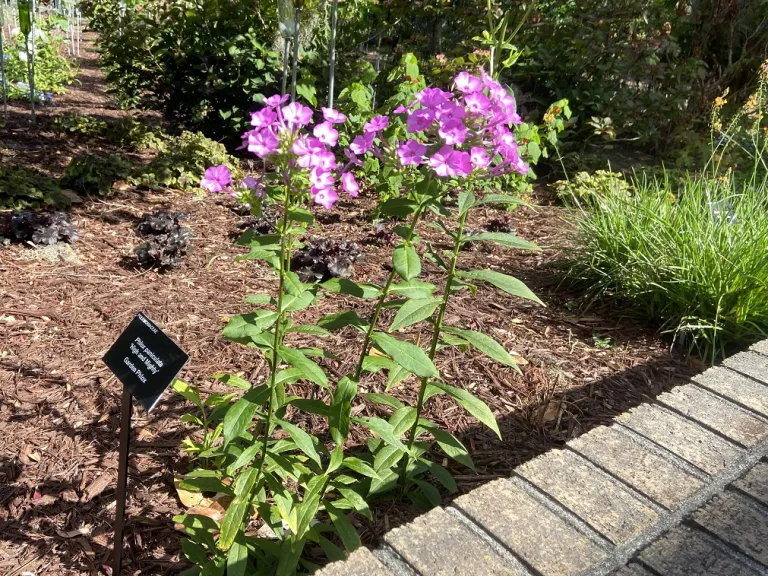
(406, 262)
(413, 289)
(360, 467)
(414, 311)
(451, 445)
(471, 404)
(506, 283)
(340, 320)
(239, 417)
(233, 518)
(309, 370)
(485, 344)
(232, 380)
(344, 527)
(346, 286)
(407, 355)
(502, 238)
(304, 441)
(499, 199)
(466, 201)
(237, 559)
(385, 430)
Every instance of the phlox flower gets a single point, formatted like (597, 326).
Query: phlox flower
(521, 166)
(254, 185)
(264, 118)
(325, 197)
(297, 115)
(216, 178)
(420, 120)
(453, 132)
(467, 83)
(304, 145)
(334, 116)
(477, 103)
(440, 162)
(376, 124)
(433, 97)
(276, 100)
(450, 111)
(400, 110)
(349, 184)
(361, 144)
(479, 157)
(326, 133)
(320, 178)
(461, 162)
(262, 142)
(411, 153)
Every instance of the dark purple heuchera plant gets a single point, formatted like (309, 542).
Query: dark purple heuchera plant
(299, 488)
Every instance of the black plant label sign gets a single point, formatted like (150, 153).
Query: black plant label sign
(145, 360)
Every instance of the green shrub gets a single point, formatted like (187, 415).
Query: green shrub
(184, 161)
(24, 188)
(586, 188)
(73, 123)
(138, 135)
(95, 174)
(690, 259)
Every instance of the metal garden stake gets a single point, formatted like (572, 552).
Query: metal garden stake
(334, 23)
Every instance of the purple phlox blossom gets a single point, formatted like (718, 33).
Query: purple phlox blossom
(255, 186)
(326, 133)
(334, 116)
(411, 153)
(461, 162)
(262, 142)
(477, 103)
(361, 144)
(216, 178)
(276, 100)
(433, 97)
(304, 145)
(376, 124)
(325, 197)
(400, 110)
(320, 178)
(349, 184)
(353, 159)
(479, 157)
(420, 120)
(506, 144)
(439, 162)
(520, 166)
(450, 111)
(264, 118)
(297, 115)
(467, 83)
(453, 132)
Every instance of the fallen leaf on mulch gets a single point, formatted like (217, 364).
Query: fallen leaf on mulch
(84, 530)
(95, 488)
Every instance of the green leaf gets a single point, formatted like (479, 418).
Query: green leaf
(310, 329)
(383, 399)
(466, 201)
(290, 554)
(406, 262)
(249, 327)
(374, 364)
(232, 380)
(310, 371)
(303, 440)
(188, 393)
(237, 560)
(356, 499)
(413, 289)
(307, 510)
(506, 283)
(429, 491)
(387, 458)
(451, 445)
(233, 518)
(402, 419)
(414, 311)
(471, 404)
(197, 482)
(239, 418)
(385, 431)
(341, 409)
(504, 239)
(245, 458)
(360, 467)
(398, 207)
(346, 286)
(407, 355)
(312, 406)
(498, 199)
(259, 299)
(344, 527)
(395, 376)
(485, 344)
(293, 303)
(193, 552)
(441, 474)
(341, 320)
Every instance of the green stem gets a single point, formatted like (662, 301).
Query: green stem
(286, 243)
(383, 297)
(435, 339)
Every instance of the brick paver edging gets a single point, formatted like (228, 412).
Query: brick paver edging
(674, 487)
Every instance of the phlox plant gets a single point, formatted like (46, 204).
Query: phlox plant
(300, 487)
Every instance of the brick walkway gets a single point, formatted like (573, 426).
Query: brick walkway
(676, 487)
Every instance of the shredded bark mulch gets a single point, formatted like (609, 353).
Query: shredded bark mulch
(59, 405)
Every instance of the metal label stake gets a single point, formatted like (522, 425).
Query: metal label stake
(122, 479)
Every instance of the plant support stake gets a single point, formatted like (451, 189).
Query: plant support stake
(334, 24)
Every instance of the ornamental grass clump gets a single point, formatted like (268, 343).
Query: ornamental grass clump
(291, 492)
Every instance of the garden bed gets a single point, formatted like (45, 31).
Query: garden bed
(59, 405)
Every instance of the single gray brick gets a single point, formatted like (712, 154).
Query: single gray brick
(761, 347)
(728, 419)
(736, 387)
(751, 364)
(438, 544)
(755, 482)
(529, 529)
(648, 473)
(360, 563)
(600, 501)
(684, 552)
(738, 520)
(691, 442)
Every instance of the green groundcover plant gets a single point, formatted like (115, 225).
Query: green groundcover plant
(690, 253)
(300, 489)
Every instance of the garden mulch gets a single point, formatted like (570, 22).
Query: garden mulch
(59, 404)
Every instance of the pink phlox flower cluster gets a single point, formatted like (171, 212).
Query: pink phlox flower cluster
(465, 132)
(284, 127)
(216, 179)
